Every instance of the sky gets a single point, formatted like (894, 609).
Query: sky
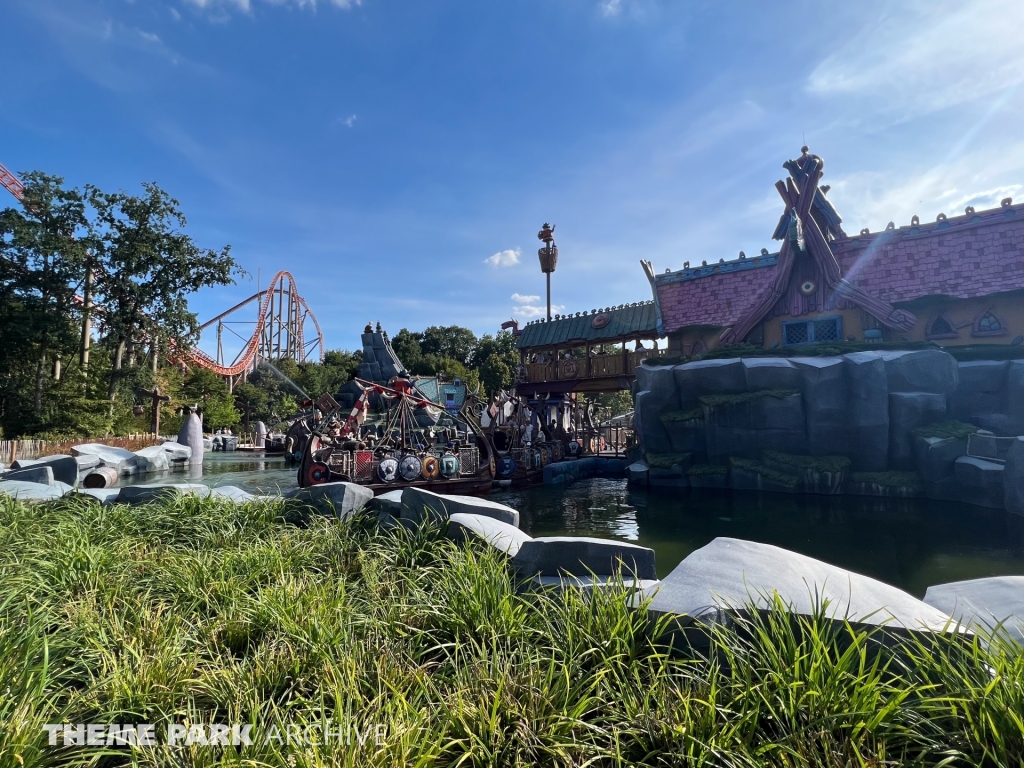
(398, 157)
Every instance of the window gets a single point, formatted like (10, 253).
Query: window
(987, 324)
(941, 328)
(811, 331)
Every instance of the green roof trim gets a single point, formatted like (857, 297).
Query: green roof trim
(641, 318)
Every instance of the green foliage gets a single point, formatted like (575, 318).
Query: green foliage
(211, 612)
(688, 415)
(667, 460)
(699, 470)
(772, 475)
(717, 401)
(829, 464)
(956, 430)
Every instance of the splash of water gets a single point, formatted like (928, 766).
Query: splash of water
(285, 379)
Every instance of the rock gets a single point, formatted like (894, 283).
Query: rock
(506, 538)
(65, 468)
(1015, 398)
(770, 373)
(867, 411)
(23, 491)
(637, 473)
(908, 411)
(418, 502)
(921, 370)
(191, 435)
(728, 574)
(388, 506)
(105, 496)
(232, 493)
(124, 462)
(582, 555)
(746, 428)
(179, 452)
(144, 494)
(981, 482)
(823, 385)
(41, 474)
(152, 459)
(86, 462)
(984, 445)
(935, 457)
(341, 499)
(981, 389)
(1013, 478)
(720, 377)
(983, 603)
(589, 583)
(656, 394)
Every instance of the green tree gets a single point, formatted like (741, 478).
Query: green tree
(452, 342)
(210, 392)
(406, 345)
(147, 267)
(496, 358)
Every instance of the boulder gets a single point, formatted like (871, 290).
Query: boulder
(152, 459)
(908, 411)
(1013, 478)
(720, 377)
(418, 503)
(144, 494)
(983, 603)
(583, 555)
(124, 462)
(41, 474)
(980, 481)
(1015, 397)
(920, 370)
(506, 538)
(86, 462)
(232, 493)
(747, 427)
(823, 385)
(105, 496)
(729, 574)
(935, 457)
(341, 499)
(588, 583)
(637, 473)
(23, 491)
(179, 452)
(65, 468)
(770, 373)
(686, 436)
(867, 411)
(656, 394)
(191, 435)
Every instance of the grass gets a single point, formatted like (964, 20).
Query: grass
(666, 460)
(200, 611)
(956, 430)
(716, 401)
(832, 464)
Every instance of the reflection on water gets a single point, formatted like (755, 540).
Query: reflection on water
(910, 543)
(250, 472)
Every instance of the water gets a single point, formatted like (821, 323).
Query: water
(909, 543)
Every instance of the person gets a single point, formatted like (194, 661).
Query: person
(639, 346)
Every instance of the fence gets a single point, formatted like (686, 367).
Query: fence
(12, 450)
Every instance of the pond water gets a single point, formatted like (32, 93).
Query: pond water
(909, 543)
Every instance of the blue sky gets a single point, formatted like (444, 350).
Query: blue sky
(399, 157)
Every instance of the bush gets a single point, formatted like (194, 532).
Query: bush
(956, 430)
(831, 464)
(716, 401)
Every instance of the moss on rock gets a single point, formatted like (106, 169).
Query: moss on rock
(957, 430)
(815, 463)
(676, 416)
(699, 470)
(666, 460)
(767, 473)
(716, 401)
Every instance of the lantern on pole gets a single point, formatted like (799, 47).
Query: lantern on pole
(548, 256)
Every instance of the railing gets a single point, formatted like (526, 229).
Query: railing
(12, 450)
(596, 367)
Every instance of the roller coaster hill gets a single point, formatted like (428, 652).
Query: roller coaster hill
(284, 326)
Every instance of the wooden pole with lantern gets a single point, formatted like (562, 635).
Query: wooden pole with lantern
(548, 257)
(156, 399)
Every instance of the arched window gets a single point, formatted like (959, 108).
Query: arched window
(698, 348)
(941, 328)
(987, 324)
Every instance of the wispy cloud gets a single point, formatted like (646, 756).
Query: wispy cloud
(349, 121)
(245, 6)
(519, 298)
(611, 7)
(150, 37)
(530, 311)
(506, 258)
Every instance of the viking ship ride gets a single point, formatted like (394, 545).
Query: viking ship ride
(417, 442)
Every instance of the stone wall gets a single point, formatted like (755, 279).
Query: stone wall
(864, 406)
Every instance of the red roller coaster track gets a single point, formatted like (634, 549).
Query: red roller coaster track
(279, 332)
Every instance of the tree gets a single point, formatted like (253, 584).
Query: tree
(406, 345)
(496, 358)
(452, 342)
(210, 392)
(146, 268)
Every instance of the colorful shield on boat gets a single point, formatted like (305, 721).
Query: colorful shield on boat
(431, 467)
(318, 473)
(410, 467)
(537, 459)
(506, 466)
(449, 466)
(387, 470)
(545, 455)
(574, 448)
(556, 451)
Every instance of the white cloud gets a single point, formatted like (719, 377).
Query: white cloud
(507, 258)
(349, 121)
(150, 37)
(246, 5)
(519, 298)
(926, 55)
(530, 311)
(175, 15)
(611, 7)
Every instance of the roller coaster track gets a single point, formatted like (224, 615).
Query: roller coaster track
(279, 333)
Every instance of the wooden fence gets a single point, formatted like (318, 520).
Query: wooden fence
(12, 450)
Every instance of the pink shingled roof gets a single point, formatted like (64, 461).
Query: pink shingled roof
(965, 257)
(714, 300)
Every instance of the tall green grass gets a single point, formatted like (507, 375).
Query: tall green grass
(199, 611)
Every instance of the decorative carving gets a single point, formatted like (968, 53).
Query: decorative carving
(601, 320)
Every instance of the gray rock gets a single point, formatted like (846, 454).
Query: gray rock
(771, 373)
(921, 370)
(1013, 478)
(124, 462)
(144, 494)
(232, 493)
(687, 436)
(983, 604)
(935, 457)
(637, 473)
(725, 376)
(867, 409)
(179, 452)
(23, 491)
(191, 434)
(824, 388)
(41, 474)
(656, 394)
(105, 496)
(589, 583)
(388, 506)
(728, 574)
(908, 411)
(506, 538)
(1015, 397)
(341, 499)
(86, 462)
(981, 482)
(984, 445)
(581, 556)
(418, 503)
(65, 468)
(152, 459)
(981, 389)
(747, 428)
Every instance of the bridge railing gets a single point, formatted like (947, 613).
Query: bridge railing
(610, 365)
